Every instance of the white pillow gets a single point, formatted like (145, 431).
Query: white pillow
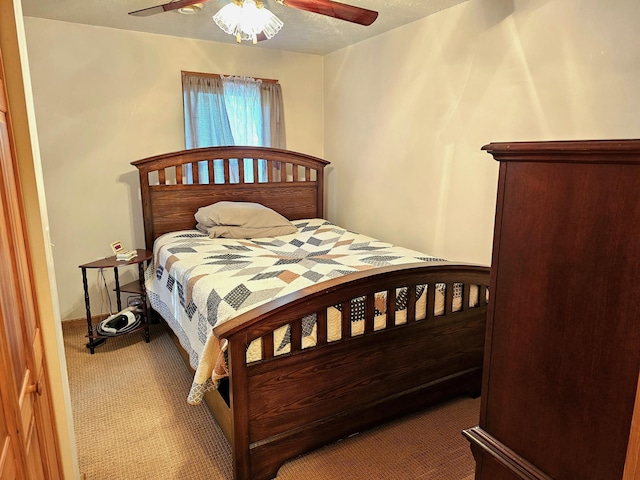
(230, 231)
(250, 220)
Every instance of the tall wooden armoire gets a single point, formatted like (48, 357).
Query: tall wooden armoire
(562, 355)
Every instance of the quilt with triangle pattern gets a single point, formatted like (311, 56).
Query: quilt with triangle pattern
(196, 282)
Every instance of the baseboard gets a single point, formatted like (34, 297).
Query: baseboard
(76, 322)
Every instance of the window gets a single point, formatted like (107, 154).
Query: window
(221, 110)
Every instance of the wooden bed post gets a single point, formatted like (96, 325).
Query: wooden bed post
(238, 391)
(146, 207)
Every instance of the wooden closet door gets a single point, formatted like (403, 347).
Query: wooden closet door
(29, 443)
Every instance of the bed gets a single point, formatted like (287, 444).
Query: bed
(420, 324)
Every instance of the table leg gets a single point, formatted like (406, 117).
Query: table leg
(145, 318)
(141, 274)
(87, 305)
(92, 343)
(117, 279)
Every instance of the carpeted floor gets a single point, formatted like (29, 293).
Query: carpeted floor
(132, 422)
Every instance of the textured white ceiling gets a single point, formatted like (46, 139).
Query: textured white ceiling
(303, 32)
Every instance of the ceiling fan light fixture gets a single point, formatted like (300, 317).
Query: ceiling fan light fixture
(246, 19)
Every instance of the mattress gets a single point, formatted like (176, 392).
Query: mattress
(197, 283)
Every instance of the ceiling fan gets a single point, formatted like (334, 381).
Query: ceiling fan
(329, 8)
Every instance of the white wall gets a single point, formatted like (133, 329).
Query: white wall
(107, 97)
(407, 112)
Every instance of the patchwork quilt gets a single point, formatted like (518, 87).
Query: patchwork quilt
(196, 282)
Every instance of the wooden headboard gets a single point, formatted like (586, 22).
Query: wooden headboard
(294, 185)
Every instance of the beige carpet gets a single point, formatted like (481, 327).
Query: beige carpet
(132, 422)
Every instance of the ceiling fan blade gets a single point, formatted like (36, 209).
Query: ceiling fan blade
(330, 8)
(145, 12)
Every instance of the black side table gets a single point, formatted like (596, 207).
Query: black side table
(135, 287)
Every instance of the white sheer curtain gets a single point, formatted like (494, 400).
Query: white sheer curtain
(242, 100)
(206, 123)
(227, 110)
(273, 133)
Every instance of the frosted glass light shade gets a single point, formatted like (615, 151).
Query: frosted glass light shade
(246, 19)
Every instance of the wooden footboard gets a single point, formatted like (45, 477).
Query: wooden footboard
(285, 405)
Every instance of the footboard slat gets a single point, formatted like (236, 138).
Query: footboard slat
(321, 328)
(346, 319)
(411, 303)
(390, 317)
(466, 296)
(267, 346)
(431, 302)
(482, 295)
(369, 313)
(448, 302)
(296, 335)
